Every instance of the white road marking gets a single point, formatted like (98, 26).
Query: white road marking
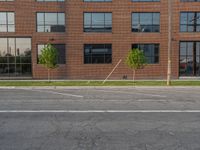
(151, 100)
(5, 88)
(99, 111)
(52, 92)
(83, 100)
(135, 92)
(66, 100)
(73, 100)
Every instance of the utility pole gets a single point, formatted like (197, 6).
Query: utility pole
(169, 66)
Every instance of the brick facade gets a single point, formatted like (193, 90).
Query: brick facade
(121, 37)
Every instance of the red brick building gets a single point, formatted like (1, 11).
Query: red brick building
(93, 35)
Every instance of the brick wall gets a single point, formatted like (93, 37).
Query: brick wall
(121, 37)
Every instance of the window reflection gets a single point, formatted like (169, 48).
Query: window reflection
(97, 22)
(50, 22)
(189, 64)
(15, 57)
(145, 22)
(7, 22)
(190, 22)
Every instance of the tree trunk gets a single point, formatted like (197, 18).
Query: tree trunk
(133, 77)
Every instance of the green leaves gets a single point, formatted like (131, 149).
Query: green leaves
(48, 57)
(136, 59)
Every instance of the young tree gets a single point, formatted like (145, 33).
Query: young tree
(48, 58)
(135, 60)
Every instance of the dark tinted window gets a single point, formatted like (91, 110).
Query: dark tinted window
(97, 53)
(151, 52)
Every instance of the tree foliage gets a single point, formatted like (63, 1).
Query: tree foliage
(136, 59)
(48, 58)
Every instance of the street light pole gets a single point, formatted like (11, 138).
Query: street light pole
(169, 42)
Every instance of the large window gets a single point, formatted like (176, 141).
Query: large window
(190, 22)
(50, 22)
(7, 22)
(97, 0)
(145, 22)
(60, 49)
(97, 53)
(151, 52)
(146, 0)
(190, 0)
(15, 57)
(189, 61)
(97, 22)
(50, 0)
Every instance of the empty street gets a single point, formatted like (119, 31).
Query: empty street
(100, 118)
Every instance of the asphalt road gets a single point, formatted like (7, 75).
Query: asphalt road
(139, 118)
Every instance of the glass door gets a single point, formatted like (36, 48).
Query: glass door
(189, 59)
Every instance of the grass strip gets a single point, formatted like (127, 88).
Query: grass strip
(97, 83)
